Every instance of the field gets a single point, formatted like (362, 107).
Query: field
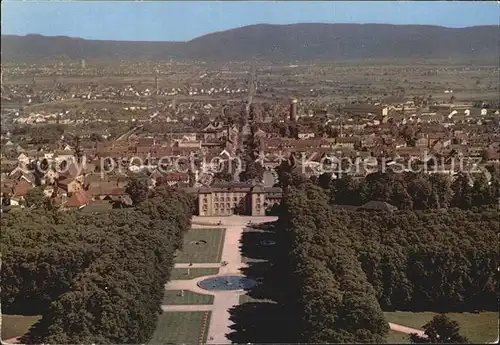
(173, 297)
(185, 327)
(202, 246)
(181, 273)
(478, 328)
(398, 338)
(16, 325)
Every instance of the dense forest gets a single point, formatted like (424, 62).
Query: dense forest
(95, 278)
(337, 269)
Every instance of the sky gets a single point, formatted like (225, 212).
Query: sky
(182, 21)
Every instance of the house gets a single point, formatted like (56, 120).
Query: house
(72, 171)
(189, 143)
(366, 109)
(175, 178)
(226, 199)
(21, 188)
(78, 199)
(347, 142)
(69, 185)
(305, 135)
(23, 159)
(422, 142)
(213, 126)
(369, 141)
(18, 171)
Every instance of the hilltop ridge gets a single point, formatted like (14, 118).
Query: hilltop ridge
(306, 41)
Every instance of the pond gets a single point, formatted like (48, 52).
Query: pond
(227, 283)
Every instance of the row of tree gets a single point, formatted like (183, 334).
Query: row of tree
(343, 268)
(94, 278)
(329, 298)
(407, 191)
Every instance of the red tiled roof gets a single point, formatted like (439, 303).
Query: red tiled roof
(78, 199)
(21, 188)
(101, 190)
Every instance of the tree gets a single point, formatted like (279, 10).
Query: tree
(485, 155)
(462, 191)
(39, 169)
(440, 330)
(329, 297)
(35, 197)
(137, 189)
(96, 137)
(253, 170)
(325, 180)
(5, 199)
(90, 285)
(192, 178)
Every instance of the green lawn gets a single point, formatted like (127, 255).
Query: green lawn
(209, 252)
(183, 327)
(247, 299)
(14, 326)
(478, 328)
(181, 273)
(397, 338)
(173, 297)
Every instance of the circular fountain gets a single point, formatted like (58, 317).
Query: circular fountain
(227, 283)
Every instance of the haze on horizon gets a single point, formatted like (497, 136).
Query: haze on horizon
(183, 21)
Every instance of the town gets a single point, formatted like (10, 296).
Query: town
(154, 192)
(134, 127)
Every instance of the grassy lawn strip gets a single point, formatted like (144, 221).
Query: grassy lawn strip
(14, 326)
(208, 252)
(247, 299)
(207, 324)
(181, 273)
(478, 328)
(183, 327)
(398, 338)
(173, 297)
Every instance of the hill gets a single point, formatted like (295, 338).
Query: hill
(38, 47)
(278, 42)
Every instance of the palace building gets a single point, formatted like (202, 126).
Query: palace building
(236, 198)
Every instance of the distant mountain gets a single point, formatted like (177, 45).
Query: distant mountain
(277, 42)
(36, 47)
